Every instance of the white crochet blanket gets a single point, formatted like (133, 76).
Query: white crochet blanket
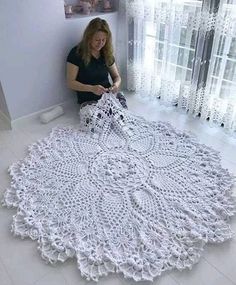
(121, 194)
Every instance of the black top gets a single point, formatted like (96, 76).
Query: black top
(95, 73)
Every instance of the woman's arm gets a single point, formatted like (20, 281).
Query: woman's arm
(115, 78)
(71, 74)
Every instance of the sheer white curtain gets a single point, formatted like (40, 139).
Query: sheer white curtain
(184, 52)
(219, 102)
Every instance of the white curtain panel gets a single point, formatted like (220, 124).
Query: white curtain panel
(184, 52)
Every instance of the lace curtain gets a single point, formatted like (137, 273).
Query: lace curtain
(184, 52)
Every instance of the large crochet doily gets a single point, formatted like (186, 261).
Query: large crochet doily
(121, 194)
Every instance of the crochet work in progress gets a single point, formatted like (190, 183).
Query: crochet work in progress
(121, 194)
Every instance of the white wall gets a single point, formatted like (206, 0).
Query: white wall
(3, 105)
(34, 41)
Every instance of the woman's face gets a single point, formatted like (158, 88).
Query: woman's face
(98, 41)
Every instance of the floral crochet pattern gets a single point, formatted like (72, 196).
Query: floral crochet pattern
(121, 194)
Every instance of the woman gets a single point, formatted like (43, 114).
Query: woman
(90, 63)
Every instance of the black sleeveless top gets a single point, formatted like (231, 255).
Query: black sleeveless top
(95, 73)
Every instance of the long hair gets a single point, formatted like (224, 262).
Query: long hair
(84, 49)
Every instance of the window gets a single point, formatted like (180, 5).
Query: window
(174, 40)
(223, 76)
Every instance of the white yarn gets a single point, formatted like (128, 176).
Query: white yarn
(121, 194)
(51, 115)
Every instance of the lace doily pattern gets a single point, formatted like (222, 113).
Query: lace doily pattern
(121, 194)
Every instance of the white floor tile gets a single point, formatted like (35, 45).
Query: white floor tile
(6, 159)
(4, 277)
(5, 182)
(166, 280)
(71, 273)
(22, 261)
(52, 279)
(5, 224)
(230, 165)
(201, 274)
(223, 257)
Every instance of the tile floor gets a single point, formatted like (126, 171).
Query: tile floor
(20, 262)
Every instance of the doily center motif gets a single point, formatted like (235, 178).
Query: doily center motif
(119, 169)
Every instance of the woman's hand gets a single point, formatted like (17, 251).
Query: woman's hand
(99, 90)
(113, 89)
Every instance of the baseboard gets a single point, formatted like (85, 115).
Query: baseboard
(6, 120)
(19, 121)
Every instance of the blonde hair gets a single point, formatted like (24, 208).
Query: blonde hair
(84, 49)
